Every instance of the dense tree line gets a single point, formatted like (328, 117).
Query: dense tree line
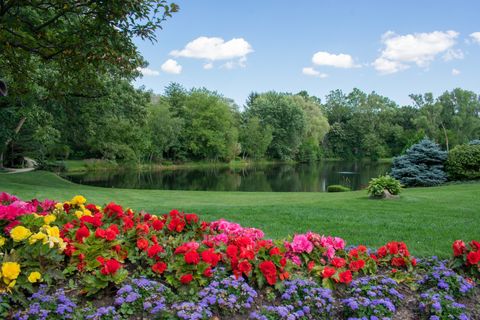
(133, 125)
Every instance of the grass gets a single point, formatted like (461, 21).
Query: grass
(427, 219)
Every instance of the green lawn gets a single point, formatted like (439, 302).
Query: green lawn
(427, 219)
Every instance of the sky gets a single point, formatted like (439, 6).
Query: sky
(394, 48)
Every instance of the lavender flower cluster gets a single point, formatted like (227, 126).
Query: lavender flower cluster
(299, 299)
(440, 286)
(372, 297)
(443, 278)
(229, 295)
(436, 306)
(143, 296)
(44, 305)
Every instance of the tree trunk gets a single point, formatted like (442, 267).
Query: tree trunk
(16, 131)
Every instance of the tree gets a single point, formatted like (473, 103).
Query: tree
(54, 49)
(210, 130)
(255, 138)
(285, 116)
(422, 165)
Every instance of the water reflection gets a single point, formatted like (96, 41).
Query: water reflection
(313, 177)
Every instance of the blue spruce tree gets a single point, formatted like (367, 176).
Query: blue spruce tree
(421, 165)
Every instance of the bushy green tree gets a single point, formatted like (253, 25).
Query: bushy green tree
(255, 138)
(421, 165)
(287, 119)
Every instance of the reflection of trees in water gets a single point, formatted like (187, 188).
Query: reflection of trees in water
(301, 177)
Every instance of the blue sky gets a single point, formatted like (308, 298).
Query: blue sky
(392, 47)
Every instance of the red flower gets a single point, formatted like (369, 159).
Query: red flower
(142, 228)
(82, 233)
(345, 277)
(100, 233)
(374, 257)
(95, 220)
(208, 272)
(110, 266)
(382, 252)
(176, 224)
(328, 272)
(142, 244)
(185, 279)
(127, 223)
(269, 271)
(275, 251)
(232, 251)
(414, 262)
(310, 265)
(159, 267)
(392, 247)
(246, 254)
(475, 245)
(147, 216)
(398, 262)
(356, 265)
(338, 262)
(192, 257)
(245, 267)
(157, 225)
(113, 210)
(458, 248)
(362, 248)
(154, 250)
(353, 253)
(191, 218)
(210, 257)
(473, 257)
(117, 248)
(283, 262)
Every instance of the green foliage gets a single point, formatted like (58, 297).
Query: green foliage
(376, 186)
(287, 119)
(337, 188)
(422, 165)
(255, 138)
(464, 162)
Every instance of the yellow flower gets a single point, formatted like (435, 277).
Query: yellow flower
(59, 206)
(20, 233)
(37, 237)
(34, 276)
(2, 241)
(79, 214)
(53, 232)
(49, 218)
(10, 270)
(78, 200)
(87, 212)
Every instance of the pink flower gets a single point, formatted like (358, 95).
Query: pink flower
(330, 253)
(301, 244)
(295, 259)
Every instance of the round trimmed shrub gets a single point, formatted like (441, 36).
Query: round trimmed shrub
(337, 188)
(376, 186)
(464, 162)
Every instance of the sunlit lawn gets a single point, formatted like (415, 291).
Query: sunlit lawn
(427, 219)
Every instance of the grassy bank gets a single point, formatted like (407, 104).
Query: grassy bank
(77, 166)
(427, 219)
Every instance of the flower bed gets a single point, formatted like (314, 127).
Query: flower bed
(76, 260)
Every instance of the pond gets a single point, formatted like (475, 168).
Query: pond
(312, 177)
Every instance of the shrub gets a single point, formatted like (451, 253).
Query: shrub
(376, 186)
(464, 162)
(422, 165)
(337, 188)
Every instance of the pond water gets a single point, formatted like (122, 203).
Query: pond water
(312, 177)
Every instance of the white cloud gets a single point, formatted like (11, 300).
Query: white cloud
(417, 48)
(171, 66)
(314, 73)
(455, 72)
(341, 60)
(214, 49)
(453, 54)
(208, 66)
(475, 37)
(148, 72)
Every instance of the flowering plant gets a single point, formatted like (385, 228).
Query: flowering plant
(467, 258)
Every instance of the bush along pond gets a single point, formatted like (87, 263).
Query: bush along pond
(122, 264)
